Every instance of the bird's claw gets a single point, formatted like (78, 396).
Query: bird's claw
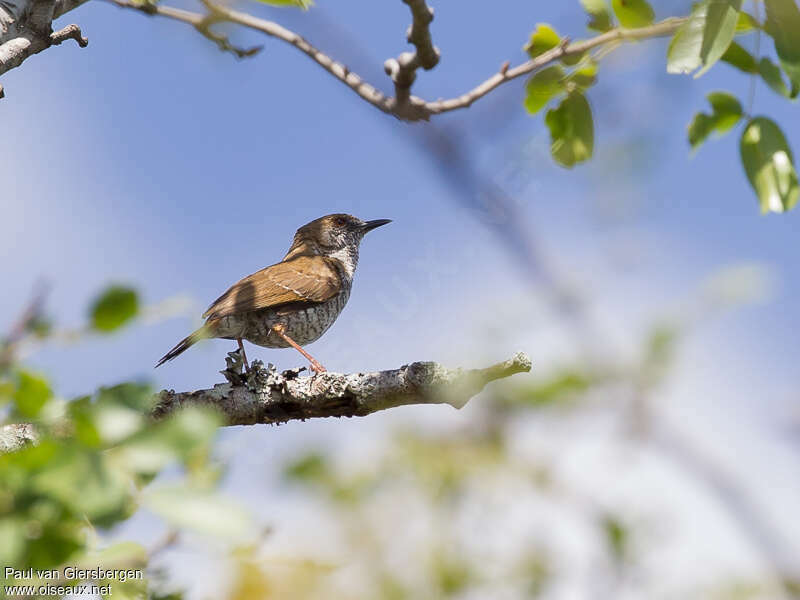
(317, 368)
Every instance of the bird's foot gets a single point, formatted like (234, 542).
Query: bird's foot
(317, 368)
(244, 356)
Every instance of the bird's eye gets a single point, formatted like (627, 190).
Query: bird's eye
(340, 221)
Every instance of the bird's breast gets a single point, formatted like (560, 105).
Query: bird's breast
(304, 324)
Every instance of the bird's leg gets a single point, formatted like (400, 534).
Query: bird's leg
(315, 366)
(244, 356)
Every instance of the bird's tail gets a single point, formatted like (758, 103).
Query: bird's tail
(190, 340)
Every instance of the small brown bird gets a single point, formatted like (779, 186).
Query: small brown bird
(293, 302)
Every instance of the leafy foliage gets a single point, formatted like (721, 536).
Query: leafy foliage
(543, 86)
(726, 112)
(599, 15)
(113, 308)
(633, 13)
(91, 465)
(783, 24)
(543, 38)
(86, 467)
(571, 130)
(705, 38)
(769, 165)
(740, 58)
(30, 394)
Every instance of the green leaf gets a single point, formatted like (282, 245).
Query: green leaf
(563, 386)
(726, 112)
(633, 13)
(704, 38)
(13, 532)
(543, 38)
(585, 76)
(31, 394)
(199, 509)
(740, 58)
(571, 130)
(617, 537)
(783, 24)
(112, 415)
(120, 555)
(746, 23)
(721, 19)
(683, 53)
(87, 483)
(599, 15)
(769, 165)
(543, 86)
(700, 128)
(113, 308)
(179, 438)
(311, 467)
(573, 59)
(773, 77)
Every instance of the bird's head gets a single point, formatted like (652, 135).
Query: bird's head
(336, 232)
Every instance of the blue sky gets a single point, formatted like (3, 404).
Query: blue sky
(151, 158)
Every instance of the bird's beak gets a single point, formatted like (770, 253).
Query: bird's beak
(370, 225)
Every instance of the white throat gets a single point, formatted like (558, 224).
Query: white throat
(348, 256)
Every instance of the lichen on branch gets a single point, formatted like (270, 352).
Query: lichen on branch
(267, 396)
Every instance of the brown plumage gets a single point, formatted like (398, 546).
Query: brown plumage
(293, 302)
(301, 279)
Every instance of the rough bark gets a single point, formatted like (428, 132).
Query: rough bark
(15, 435)
(266, 396)
(26, 28)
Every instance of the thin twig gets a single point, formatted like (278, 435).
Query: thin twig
(614, 36)
(30, 314)
(403, 69)
(751, 96)
(413, 109)
(70, 32)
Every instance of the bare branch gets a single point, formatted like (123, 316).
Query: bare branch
(272, 397)
(26, 29)
(403, 69)
(419, 34)
(26, 321)
(70, 32)
(272, 29)
(505, 74)
(222, 41)
(410, 108)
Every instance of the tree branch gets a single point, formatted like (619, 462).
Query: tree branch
(505, 74)
(403, 69)
(272, 397)
(16, 435)
(26, 29)
(266, 396)
(408, 108)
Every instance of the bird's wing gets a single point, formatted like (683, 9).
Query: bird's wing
(303, 279)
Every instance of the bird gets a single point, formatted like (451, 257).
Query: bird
(293, 302)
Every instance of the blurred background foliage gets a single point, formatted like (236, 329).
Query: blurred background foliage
(431, 515)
